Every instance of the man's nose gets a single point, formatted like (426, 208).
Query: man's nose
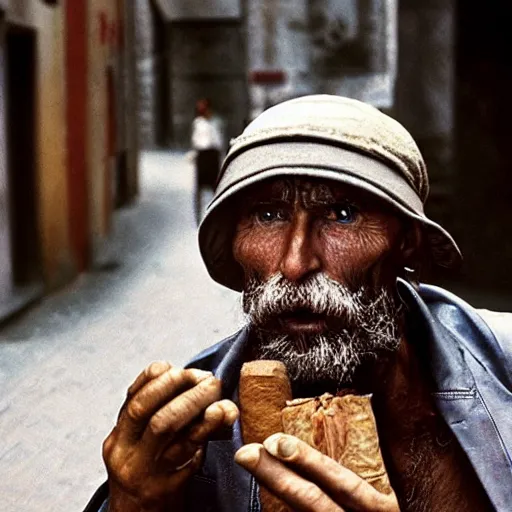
(300, 258)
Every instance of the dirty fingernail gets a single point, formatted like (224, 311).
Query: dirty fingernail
(232, 416)
(270, 444)
(287, 446)
(281, 445)
(248, 455)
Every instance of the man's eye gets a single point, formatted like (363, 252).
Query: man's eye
(269, 214)
(344, 214)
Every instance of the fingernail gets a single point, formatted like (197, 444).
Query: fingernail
(248, 455)
(270, 444)
(201, 374)
(232, 416)
(281, 445)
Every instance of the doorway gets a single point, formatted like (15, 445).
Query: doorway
(21, 155)
(208, 61)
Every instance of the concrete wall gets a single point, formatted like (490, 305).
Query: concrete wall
(152, 56)
(278, 39)
(53, 204)
(130, 107)
(366, 65)
(5, 245)
(146, 72)
(199, 9)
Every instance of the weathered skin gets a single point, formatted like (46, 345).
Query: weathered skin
(305, 237)
(157, 432)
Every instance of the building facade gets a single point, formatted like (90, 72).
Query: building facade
(82, 81)
(152, 73)
(67, 151)
(298, 47)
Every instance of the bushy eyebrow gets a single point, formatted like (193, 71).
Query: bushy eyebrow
(310, 193)
(317, 194)
(282, 190)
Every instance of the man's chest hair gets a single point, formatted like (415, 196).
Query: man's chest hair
(436, 476)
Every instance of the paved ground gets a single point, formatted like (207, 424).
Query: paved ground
(65, 364)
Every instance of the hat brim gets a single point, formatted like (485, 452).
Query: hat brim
(217, 228)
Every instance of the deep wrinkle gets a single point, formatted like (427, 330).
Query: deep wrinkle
(344, 251)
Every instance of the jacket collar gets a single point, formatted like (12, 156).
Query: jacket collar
(435, 343)
(469, 371)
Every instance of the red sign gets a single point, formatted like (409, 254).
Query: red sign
(268, 77)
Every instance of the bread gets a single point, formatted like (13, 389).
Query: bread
(343, 428)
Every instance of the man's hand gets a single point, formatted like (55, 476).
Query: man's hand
(307, 480)
(158, 441)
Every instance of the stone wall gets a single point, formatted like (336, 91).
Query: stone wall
(150, 62)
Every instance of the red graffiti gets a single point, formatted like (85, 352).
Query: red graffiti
(108, 31)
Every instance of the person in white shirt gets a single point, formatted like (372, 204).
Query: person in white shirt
(207, 142)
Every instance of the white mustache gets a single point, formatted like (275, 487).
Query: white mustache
(319, 294)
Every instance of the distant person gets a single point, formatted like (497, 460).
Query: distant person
(207, 143)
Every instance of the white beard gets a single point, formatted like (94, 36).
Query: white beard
(370, 328)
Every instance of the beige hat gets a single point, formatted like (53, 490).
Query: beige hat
(327, 137)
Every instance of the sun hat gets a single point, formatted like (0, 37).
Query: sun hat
(329, 137)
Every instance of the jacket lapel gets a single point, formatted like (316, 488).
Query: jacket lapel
(466, 394)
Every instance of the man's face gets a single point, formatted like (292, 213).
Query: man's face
(320, 260)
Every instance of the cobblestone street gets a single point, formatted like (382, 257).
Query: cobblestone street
(66, 363)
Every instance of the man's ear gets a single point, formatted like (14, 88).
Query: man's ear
(411, 244)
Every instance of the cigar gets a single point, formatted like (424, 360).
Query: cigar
(264, 389)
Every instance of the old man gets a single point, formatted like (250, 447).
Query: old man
(318, 220)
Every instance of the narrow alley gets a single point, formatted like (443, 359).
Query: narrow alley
(65, 363)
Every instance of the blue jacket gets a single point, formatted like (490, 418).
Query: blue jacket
(471, 363)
